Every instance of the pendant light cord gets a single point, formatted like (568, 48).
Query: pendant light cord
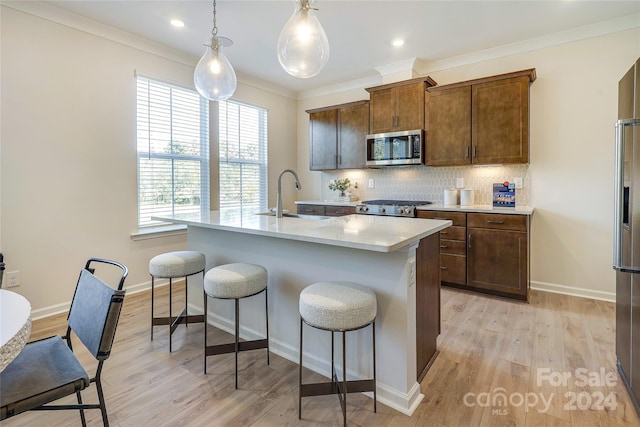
(214, 31)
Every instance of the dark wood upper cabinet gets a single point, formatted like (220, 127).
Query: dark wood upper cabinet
(448, 126)
(337, 136)
(482, 121)
(398, 106)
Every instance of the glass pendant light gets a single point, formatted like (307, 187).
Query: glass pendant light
(303, 47)
(214, 77)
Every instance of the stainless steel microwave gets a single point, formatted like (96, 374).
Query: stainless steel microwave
(395, 148)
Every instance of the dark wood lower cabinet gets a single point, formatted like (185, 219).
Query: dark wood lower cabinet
(427, 302)
(497, 261)
(328, 210)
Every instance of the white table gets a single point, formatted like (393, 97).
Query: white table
(15, 325)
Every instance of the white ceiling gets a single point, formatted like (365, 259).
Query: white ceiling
(359, 32)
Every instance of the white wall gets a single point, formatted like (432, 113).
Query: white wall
(68, 171)
(573, 110)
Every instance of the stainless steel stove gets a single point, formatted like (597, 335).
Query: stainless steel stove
(406, 208)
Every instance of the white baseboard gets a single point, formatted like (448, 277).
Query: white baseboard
(572, 291)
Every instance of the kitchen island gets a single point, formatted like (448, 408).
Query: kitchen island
(396, 257)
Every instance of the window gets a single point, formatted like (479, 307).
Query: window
(173, 151)
(243, 157)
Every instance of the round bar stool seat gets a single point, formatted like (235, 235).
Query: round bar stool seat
(236, 281)
(173, 265)
(338, 307)
(177, 264)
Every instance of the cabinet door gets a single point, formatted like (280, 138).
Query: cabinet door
(410, 106)
(339, 210)
(497, 260)
(311, 209)
(323, 139)
(353, 127)
(500, 121)
(382, 110)
(448, 125)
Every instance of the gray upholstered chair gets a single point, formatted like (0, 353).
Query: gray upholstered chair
(47, 370)
(174, 265)
(338, 307)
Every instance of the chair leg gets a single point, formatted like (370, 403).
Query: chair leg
(205, 332)
(344, 378)
(82, 417)
(266, 313)
(300, 376)
(170, 313)
(152, 298)
(375, 384)
(237, 310)
(103, 405)
(186, 306)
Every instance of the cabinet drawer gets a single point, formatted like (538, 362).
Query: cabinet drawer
(311, 209)
(453, 269)
(454, 247)
(498, 221)
(458, 218)
(339, 210)
(454, 233)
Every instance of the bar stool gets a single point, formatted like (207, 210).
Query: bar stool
(338, 307)
(172, 265)
(235, 281)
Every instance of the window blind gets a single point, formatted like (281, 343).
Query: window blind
(243, 157)
(173, 150)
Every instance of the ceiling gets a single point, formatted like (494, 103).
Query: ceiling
(359, 32)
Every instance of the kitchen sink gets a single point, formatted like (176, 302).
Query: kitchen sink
(293, 215)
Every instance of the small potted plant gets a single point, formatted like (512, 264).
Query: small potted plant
(340, 185)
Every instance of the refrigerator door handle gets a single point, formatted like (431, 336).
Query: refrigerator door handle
(618, 263)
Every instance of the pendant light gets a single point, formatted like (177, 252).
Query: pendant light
(214, 77)
(303, 47)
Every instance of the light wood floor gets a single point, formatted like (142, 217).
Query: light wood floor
(486, 343)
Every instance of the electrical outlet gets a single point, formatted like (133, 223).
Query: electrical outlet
(459, 182)
(13, 279)
(372, 183)
(517, 182)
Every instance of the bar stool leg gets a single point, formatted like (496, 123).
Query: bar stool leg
(300, 376)
(333, 364)
(266, 313)
(237, 334)
(375, 392)
(152, 298)
(170, 313)
(205, 331)
(344, 378)
(186, 308)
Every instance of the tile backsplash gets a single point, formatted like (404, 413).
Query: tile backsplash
(429, 183)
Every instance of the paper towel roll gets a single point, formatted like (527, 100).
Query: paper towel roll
(466, 197)
(451, 197)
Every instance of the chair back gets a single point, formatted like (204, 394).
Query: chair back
(95, 310)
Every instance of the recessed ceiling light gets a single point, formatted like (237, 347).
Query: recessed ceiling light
(397, 42)
(177, 23)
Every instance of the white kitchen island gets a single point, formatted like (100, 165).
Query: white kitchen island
(396, 257)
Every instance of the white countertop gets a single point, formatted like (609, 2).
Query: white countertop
(368, 232)
(518, 210)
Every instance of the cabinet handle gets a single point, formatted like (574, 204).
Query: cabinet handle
(444, 232)
(339, 159)
(474, 152)
(469, 240)
(466, 152)
(443, 268)
(491, 221)
(443, 246)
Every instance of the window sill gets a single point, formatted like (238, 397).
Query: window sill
(158, 232)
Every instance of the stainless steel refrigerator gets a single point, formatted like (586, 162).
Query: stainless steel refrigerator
(626, 258)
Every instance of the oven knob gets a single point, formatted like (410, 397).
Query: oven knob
(383, 210)
(362, 208)
(407, 210)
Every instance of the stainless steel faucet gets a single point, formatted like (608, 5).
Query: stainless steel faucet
(279, 194)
